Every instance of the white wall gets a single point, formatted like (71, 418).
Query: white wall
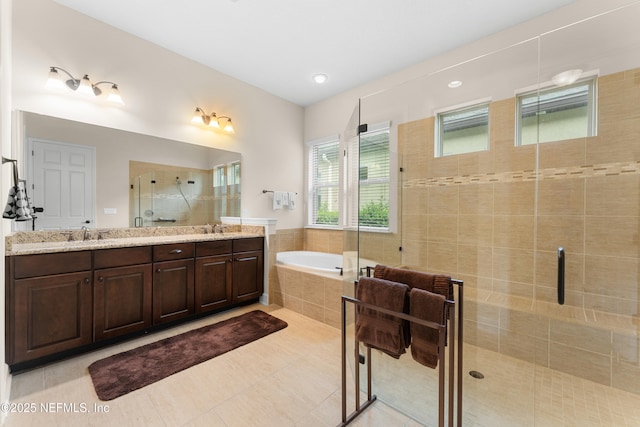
(331, 115)
(161, 90)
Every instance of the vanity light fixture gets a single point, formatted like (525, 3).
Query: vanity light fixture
(212, 120)
(83, 86)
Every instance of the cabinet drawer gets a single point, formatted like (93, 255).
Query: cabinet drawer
(121, 257)
(249, 244)
(173, 251)
(216, 247)
(54, 263)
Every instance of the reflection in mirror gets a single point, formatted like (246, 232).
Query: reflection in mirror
(165, 195)
(115, 153)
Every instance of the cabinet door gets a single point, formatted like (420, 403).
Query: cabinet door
(52, 314)
(247, 276)
(213, 283)
(173, 293)
(121, 300)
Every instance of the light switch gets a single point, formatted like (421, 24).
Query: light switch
(110, 211)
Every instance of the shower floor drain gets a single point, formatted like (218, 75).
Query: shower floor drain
(476, 374)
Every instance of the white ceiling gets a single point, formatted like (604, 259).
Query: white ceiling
(278, 45)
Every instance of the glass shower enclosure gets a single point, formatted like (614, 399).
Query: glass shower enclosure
(518, 173)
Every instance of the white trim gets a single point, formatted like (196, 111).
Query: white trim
(549, 84)
(323, 140)
(463, 105)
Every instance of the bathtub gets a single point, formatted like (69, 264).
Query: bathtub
(318, 261)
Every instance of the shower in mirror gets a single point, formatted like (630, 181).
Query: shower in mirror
(164, 195)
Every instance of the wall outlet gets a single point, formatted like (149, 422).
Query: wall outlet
(110, 211)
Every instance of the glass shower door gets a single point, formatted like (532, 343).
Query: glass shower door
(587, 224)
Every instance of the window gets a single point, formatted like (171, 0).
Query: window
(226, 190)
(557, 113)
(462, 130)
(324, 180)
(374, 173)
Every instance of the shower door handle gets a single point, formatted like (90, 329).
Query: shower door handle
(561, 275)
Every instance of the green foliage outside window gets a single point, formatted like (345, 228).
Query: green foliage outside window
(375, 214)
(325, 216)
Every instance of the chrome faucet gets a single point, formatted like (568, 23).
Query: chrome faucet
(86, 232)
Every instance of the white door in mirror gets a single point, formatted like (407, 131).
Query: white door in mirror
(63, 184)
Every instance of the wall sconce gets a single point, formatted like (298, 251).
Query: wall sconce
(212, 120)
(82, 86)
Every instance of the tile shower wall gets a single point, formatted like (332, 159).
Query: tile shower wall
(475, 216)
(162, 199)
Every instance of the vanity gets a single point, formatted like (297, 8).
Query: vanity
(69, 292)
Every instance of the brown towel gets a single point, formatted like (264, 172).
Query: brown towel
(424, 340)
(378, 330)
(437, 283)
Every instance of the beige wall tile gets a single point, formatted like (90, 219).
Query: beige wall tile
(443, 200)
(523, 347)
(509, 158)
(559, 154)
(515, 265)
(584, 364)
(443, 257)
(580, 336)
(554, 231)
(476, 199)
(475, 229)
(612, 236)
(612, 276)
(475, 260)
(613, 195)
(546, 264)
(481, 335)
(561, 196)
(515, 198)
(443, 228)
(526, 324)
(511, 288)
(513, 231)
(482, 313)
(414, 200)
(502, 120)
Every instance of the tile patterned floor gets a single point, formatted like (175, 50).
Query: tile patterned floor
(292, 378)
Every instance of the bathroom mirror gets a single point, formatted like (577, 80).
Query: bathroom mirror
(117, 154)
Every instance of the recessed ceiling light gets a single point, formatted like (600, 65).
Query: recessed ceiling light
(320, 78)
(454, 84)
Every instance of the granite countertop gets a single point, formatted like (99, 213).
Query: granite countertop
(39, 242)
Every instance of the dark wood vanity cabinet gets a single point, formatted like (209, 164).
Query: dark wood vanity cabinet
(57, 303)
(173, 282)
(213, 278)
(48, 304)
(248, 269)
(121, 291)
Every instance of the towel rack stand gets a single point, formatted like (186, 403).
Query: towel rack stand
(455, 358)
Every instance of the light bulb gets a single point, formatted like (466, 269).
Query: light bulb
(85, 87)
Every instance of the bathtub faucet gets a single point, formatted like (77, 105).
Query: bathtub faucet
(339, 268)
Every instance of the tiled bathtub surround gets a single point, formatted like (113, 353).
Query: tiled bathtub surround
(314, 294)
(496, 218)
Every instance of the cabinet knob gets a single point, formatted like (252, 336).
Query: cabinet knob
(158, 271)
(100, 279)
(86, 280)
